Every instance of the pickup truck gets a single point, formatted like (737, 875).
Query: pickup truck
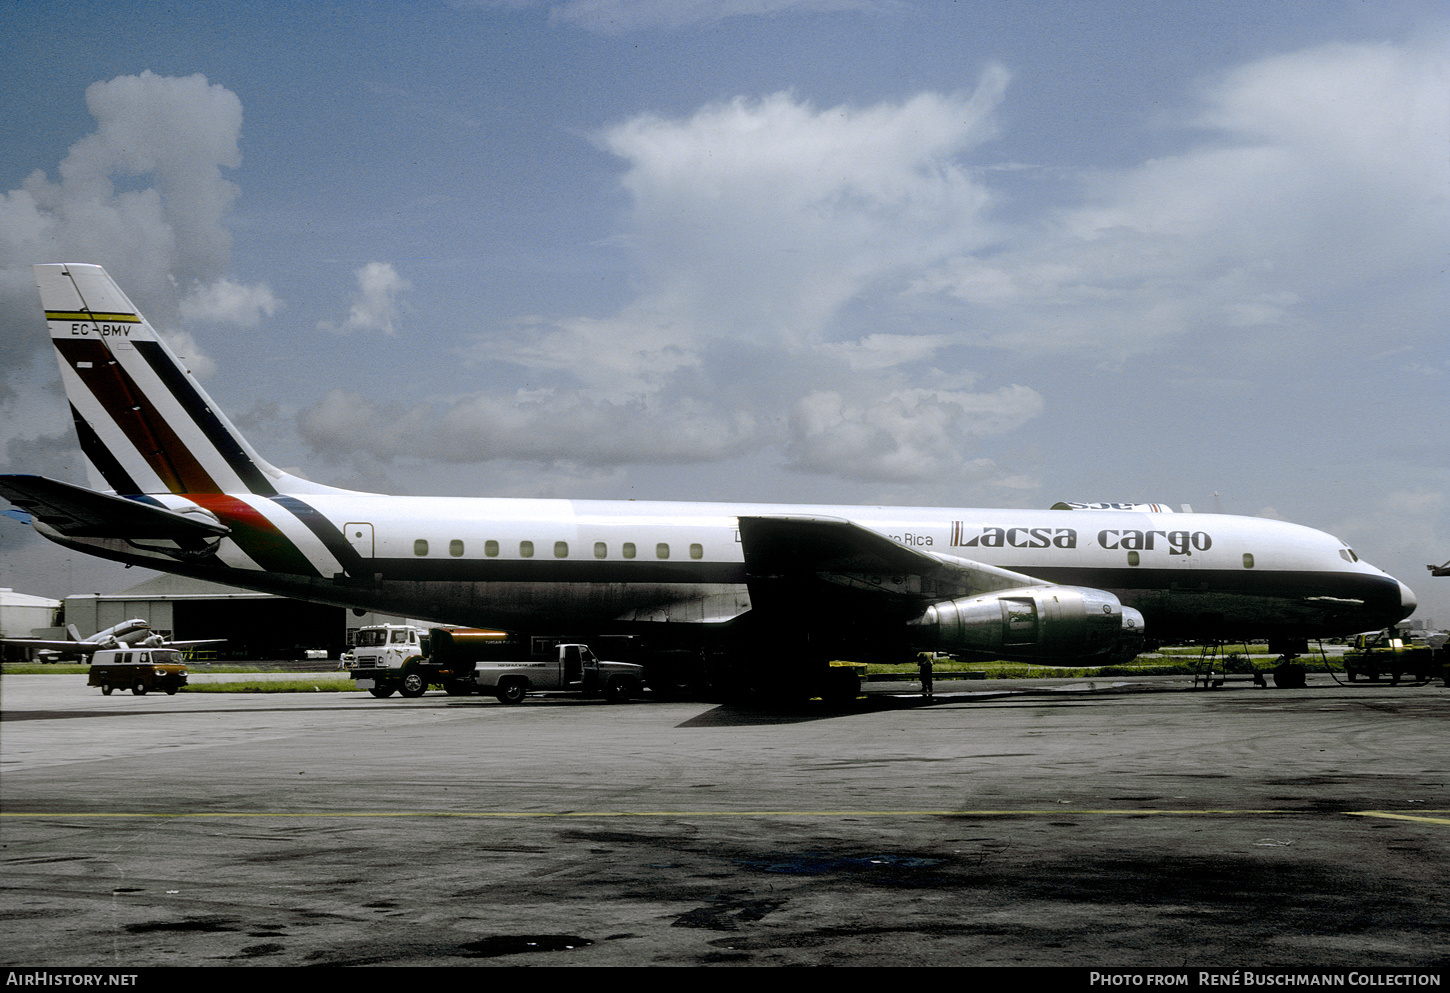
(138, 670)
(571, 668)
(403, 659)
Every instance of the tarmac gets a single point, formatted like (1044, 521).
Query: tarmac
(1095, 824)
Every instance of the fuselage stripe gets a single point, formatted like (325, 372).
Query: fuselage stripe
(254, 534)
(327, 533)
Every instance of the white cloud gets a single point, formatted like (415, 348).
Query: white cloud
(178, 133)
(908, 434)
(755, 225)
(762, 219)
(229, 302)
(375, 305)
(1323, 181)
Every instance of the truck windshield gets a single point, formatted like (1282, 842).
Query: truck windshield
(371, 639)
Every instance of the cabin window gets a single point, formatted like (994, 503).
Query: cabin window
(455, 548)
(697, 551)
(601, 550)
(420, 547)
(1248, 560)
(1133, 558)
(526, 549)
(561, 549)
(629, 549)
(662, 551)
(490, 548)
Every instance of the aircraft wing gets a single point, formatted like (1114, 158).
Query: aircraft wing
(68, 647)
(90, 647)
(793, 562)
(77, 512)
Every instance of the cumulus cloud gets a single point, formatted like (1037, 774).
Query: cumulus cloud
(762, 219)
(906, 435)
(755, 226)
(178, 133)
(375, 305)
(1321, 178)
(228, 302)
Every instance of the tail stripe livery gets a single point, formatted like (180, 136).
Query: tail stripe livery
(135, 416)
(100, 456)
(134, 397)
(150, 431)
(200, 410)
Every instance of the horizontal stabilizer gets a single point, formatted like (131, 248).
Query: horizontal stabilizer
(77, 512)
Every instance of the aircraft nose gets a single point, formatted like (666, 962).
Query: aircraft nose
(1408, 603)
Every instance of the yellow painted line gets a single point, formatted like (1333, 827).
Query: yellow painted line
(1403, 817)
(502, 815)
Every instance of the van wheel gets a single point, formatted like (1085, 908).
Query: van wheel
(106, 688)
(139, 689)
(512, 691)
(414, 685)
(381, 692)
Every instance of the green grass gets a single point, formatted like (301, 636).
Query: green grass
(330, 684)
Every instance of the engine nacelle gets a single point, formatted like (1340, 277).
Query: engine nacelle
(1049, 622)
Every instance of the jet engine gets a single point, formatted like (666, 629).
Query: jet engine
(1039, 622)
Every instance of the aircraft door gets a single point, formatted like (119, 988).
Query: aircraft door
(360, 537)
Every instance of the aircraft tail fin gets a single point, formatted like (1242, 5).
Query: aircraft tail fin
(144, 422)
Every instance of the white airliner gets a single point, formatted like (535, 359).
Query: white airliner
(135, 633)
(789, 586)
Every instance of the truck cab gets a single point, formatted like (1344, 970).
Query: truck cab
(138, 669)
(386, 646)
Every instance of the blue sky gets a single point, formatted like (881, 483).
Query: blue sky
(859, 251)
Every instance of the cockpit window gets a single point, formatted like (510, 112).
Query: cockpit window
(1348, 555)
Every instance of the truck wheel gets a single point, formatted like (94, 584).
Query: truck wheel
(457, 687)
(619, 691)
(415, 684)
(512, 691)
(171, 691)
(381, 692)
(106, 688)
(139, 689)
(1352, 675)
